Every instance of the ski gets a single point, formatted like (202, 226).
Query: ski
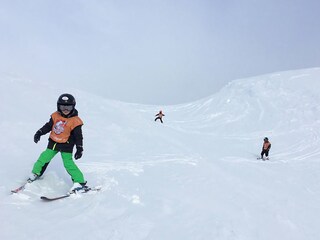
(23, 186)
(54, 198)
(19, 189)
(49, 199)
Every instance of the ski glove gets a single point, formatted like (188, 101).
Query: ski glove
(37, 136)
(78, 153)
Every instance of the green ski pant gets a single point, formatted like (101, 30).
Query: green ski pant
(70, 166)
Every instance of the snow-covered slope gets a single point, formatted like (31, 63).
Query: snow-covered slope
(194, 177)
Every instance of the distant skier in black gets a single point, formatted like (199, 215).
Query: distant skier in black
(159, 116)
(265, 148)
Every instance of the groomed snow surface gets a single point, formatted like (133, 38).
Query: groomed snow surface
(194, 177)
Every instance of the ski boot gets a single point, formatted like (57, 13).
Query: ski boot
(32, 177)
(79, 187)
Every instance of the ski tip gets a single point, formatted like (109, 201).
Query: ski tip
(44, 198)
(17, 190)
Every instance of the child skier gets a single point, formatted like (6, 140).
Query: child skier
(159, 116)
(265, 148)
(65, 132)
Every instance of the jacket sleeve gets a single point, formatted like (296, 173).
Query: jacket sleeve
(78, 137)
(269, 146)
(47, 127)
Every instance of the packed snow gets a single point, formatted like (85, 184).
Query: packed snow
(194, 177)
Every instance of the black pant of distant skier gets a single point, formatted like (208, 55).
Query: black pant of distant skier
(266, 152)
(159, 119)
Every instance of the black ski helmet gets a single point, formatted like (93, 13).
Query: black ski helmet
(66, 99)
(266, 139)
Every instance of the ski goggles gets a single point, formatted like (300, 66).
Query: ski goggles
(66, 107)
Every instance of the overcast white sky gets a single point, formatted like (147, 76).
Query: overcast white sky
(156, 51)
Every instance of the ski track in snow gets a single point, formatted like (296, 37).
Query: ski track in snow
(135, 167)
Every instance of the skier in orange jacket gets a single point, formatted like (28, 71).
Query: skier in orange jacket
(265, 148)
(159, 116)
(65, 131)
